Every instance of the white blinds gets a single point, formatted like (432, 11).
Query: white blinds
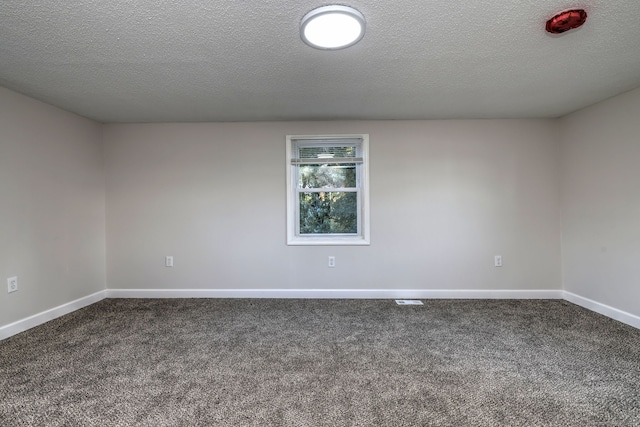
(332, 151)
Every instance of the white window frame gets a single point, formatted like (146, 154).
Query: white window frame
(293, 207)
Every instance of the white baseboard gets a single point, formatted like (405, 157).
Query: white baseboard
(335, 293)
(38, 319)
(614, 313)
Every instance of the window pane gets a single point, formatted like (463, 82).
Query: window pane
(327, 176)
(329, 212)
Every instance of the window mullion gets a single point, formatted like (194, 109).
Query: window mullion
(327, 190)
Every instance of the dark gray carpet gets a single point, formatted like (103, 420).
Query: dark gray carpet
(205, 362)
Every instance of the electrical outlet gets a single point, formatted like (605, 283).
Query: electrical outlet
(497, 261)
(12, 284)
(168, 261)
(332, 262)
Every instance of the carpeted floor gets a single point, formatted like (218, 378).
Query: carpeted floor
(207, 362)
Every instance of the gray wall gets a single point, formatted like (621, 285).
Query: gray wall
(601, 202)
(52, 205)
(446, 196)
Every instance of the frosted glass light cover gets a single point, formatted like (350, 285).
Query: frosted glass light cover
(332, 27)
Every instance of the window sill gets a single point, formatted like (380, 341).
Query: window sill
(328, 241)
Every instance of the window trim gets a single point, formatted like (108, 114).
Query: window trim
(362, 238)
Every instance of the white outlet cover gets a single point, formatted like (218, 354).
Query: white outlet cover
(12, 284)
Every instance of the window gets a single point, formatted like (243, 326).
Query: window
(327, 190)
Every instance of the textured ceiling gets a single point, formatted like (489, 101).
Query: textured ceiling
(243, 60)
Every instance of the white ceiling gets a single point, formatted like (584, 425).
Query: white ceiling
(243, 60)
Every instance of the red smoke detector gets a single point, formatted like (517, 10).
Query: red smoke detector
(567, 20)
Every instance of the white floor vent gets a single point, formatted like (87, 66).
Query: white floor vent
(408, 302)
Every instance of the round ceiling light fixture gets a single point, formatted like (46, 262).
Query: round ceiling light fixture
(332, 27)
